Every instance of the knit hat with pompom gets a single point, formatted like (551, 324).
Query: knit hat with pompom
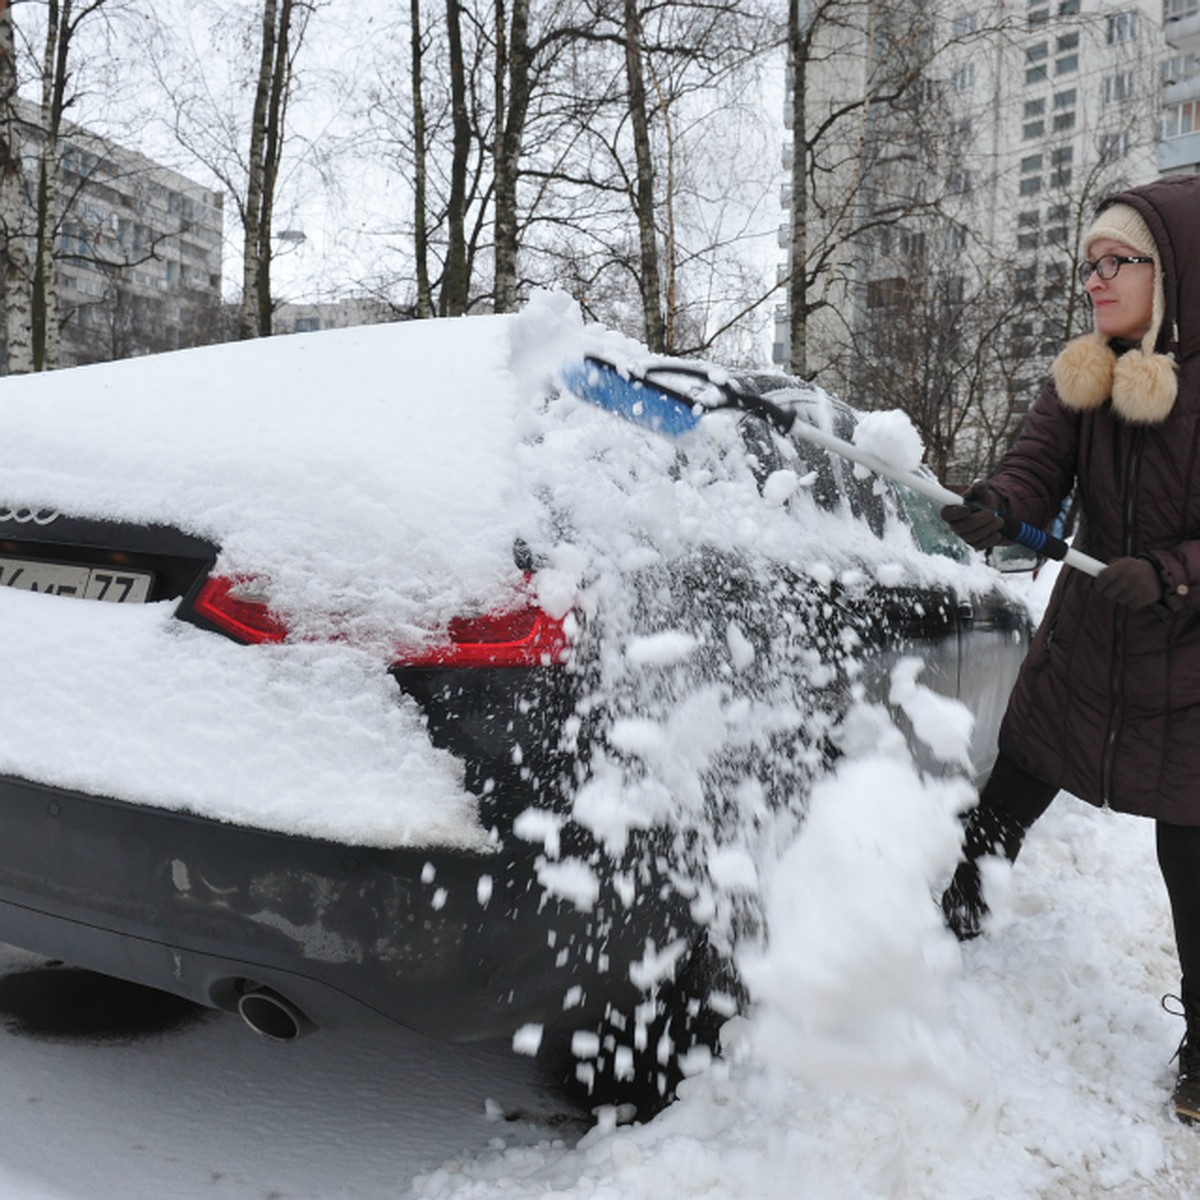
(1142, 384)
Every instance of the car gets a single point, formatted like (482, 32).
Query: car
(380, 678)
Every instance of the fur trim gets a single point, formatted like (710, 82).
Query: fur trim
(1144, 387)
(1083, 372)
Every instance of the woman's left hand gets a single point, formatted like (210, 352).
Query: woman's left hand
(1130, 581)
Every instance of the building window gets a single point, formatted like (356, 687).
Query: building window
(1065, 99)
(1064, 122)
(1068, 8)
(964, 78)
(1115, 146)
(965, 23)
(885, 293)
(1031, 185)
(1181, 119)
(958, 183)
(1118, 87)
(1038, 17)
(1028, 240)
(1068, 41)
(1066, 64)
(1122, 27)
(1037, 52)
(1037, 75)
(1060, 167)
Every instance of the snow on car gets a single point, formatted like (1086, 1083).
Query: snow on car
(376, 677)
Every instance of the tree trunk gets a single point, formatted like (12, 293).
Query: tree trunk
(44, 299)
(512, 66)
(670, 254)
(648, 280)
(253, 264)
(18, 325)
(424, 307)
(798, 265)
(266, 147)
(455, 282)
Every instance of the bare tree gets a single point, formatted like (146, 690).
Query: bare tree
(33, 210)
(420, 152)
(649, 282)
(512, 83)
(227, 85)
(456, 285)
(18, 322)
(283, 26)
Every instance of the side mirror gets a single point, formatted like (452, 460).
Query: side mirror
(1011, 560)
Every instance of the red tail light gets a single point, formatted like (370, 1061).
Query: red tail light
(523, 636)
(232, 606)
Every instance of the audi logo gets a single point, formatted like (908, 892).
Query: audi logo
(28, 516)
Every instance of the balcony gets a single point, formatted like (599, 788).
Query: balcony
(1181, 89)
(1179, 154)
(1183, 33)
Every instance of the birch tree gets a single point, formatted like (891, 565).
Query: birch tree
(283, 26)
(18, 323)
(31, 297)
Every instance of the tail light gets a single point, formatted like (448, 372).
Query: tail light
(526, 636)
(233, 606)
(522, 636)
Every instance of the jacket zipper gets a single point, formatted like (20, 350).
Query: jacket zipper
(1116, 678)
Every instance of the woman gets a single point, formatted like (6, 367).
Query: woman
(1107, 704)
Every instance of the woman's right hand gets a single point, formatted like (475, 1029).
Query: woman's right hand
(977, 520)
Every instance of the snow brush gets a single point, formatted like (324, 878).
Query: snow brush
(639, 398)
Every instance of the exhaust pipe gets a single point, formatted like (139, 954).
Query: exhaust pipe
(272, 1016)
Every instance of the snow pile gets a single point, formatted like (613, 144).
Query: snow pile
(891, 438)
(1036, 1064)
(852, 993)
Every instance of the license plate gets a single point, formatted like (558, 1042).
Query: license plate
(111, 584)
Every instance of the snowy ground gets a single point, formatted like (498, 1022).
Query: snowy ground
(1051, 1080)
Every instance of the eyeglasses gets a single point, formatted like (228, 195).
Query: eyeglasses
(1107, 265)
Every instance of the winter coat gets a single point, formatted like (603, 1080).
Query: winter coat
(1107, 704)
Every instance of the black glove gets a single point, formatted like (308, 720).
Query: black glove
(978, 527)
(1130, 581)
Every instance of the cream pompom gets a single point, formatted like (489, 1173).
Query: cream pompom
(1144, 387)
(1083, 372)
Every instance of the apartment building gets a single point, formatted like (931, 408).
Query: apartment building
(138, 251)
(1179, 150)
(1029, 112)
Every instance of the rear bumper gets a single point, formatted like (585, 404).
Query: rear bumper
(451, 944)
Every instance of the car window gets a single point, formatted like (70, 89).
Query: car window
(932, 533)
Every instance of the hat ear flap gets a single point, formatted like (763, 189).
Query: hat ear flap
(1144, 387)
(1083, 372)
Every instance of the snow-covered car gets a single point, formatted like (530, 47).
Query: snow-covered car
(374, 678)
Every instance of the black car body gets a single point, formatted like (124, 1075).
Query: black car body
(545, 921)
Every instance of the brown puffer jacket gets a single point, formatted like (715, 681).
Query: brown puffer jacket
(1107, 704)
